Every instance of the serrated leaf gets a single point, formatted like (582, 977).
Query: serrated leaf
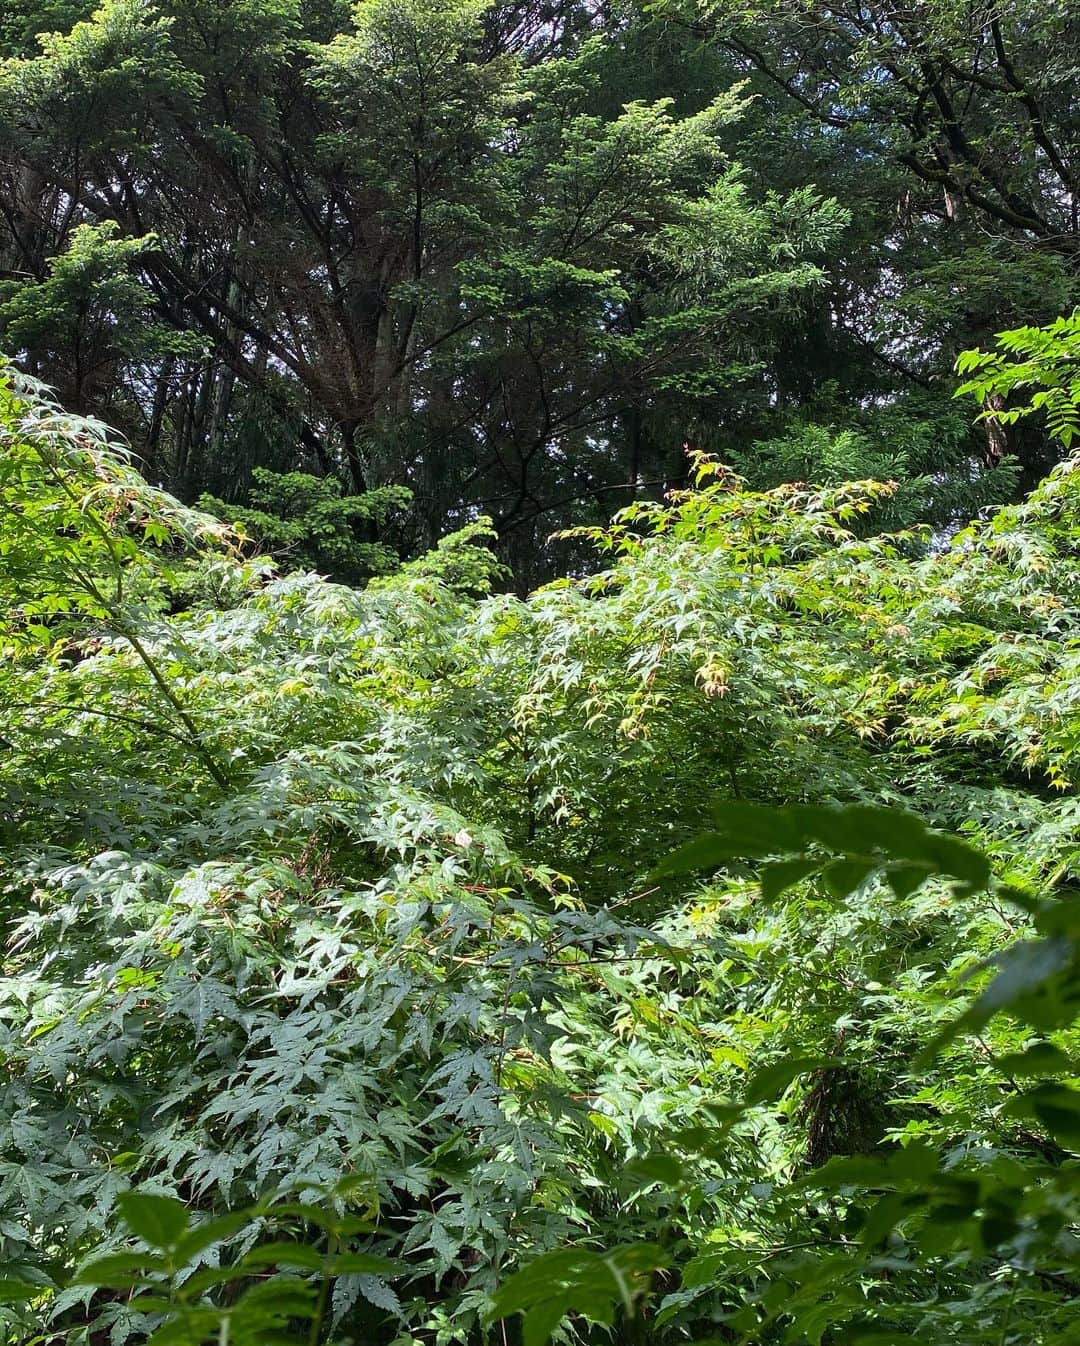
(283, 1254)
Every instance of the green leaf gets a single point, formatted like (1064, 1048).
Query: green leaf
(573, 1280)
(1055, 1107)
(777, 878)
(118, 1271)
(213, 1231)
(160, 1221)
(655, 1167)
(1041, 1058)
(705, 852)
(772, 1081)
(283, 1254)
(17, 1292)
(843, 877)
(866, 837)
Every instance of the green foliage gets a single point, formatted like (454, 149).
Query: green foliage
(685, 952)
(1045, 360)
(908, 1209)
(573, 1280)
(462, 561)
(870, 841)
(92, 317)
(926, 451)
(309, 523)
(435, 256)
(167, 1279)
(23, 20)
(157, 1285)
(517, 261)
(86, 549)
(308, 886)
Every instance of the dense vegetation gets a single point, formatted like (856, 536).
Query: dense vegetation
(311, 885)
(420, 928)
(511, 258)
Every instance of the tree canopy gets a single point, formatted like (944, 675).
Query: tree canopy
(539, 637)
(515, 258)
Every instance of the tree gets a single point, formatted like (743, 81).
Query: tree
(308, 523)
(949, 133)
(975, 103)
(427, 261)
(91, 328)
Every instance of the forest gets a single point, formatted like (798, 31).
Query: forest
(539, 673)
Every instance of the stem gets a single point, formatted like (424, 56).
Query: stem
(1008, 1314)
(208, 759)
(333, 1246)
(194, 734)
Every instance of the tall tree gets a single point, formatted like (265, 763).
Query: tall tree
(953, 133)
(428, 256)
